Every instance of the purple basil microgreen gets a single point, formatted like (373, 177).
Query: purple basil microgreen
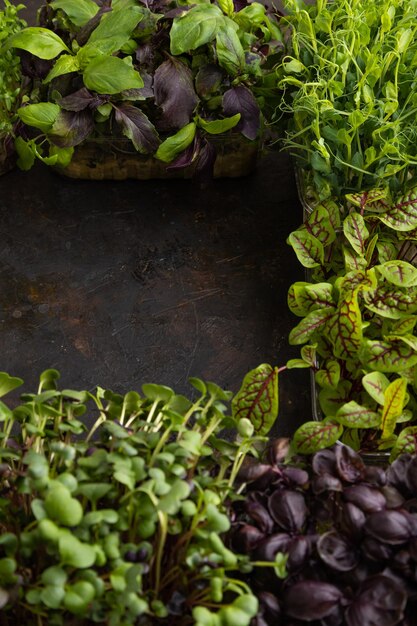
(288, 508)
(311, 600)
(71, 128)
(381, 602)
(369, 499)
(337, 552)
(136, 125)
(392, 527)
(81, 99)
(240, 99)
(174, 93)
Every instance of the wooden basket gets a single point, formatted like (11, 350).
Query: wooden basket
(115, 158)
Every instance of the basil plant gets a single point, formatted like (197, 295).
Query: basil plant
(167, 75)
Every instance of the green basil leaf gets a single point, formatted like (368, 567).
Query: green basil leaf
(25, 153)
(111, 75)
(42, 115)
(195, 28)
(41, 42)
(117, 23)
(65, 64)
(216, 127)
(230, 53)
(79, 11)
(174, 145)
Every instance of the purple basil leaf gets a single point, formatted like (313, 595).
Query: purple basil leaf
(187, 157)
(258, 513)
(32, 66)
(71, 128)
(240, 4)
(392, 527)
(350, 466)
(381, 601)
(310, 600)
(205, 161)
(375, 475)
(252, 471)
(269, 606)
(288, 508)
(324, 462)
(138, 128)
(412, 475)
(353, 519)
(336, 552)
(143, 92)
(269, 547)
(397, 474)
(376, 551)
(208, 80)
(392, 496)
(247, 538)
(278, 450)
(81, 99)
(369, 499)
(326, 482)
(240, 99)
(299, 552)
(174, 93)
(145, 55)
(296, 476)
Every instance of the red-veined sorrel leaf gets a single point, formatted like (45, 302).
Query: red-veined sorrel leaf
(404, 325)
(387, 251)
(363, 280)
(353, 262)
(257, 399)
(365, 199)
(393, 406)
(410, 340)
(375, 383)
(354, 415)
(383, 356)
(399, 273)
(406, 443)
(391, 302)
(307, 297)
(329, 377)
(331, 400)
(309, 250)
(406, 415)
(313, 436)
(370, 248)
(309, 325)
(309, 354)
(402, 215)
(320, 226)
(355, 231)
(333, 211)
(345, 329)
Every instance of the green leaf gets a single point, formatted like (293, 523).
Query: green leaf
(54, 575)
(345, 328)
(313, 436)
(157, 392)
(41, 42)
(52, 596)
(309, 249)
(196, 27)
(64, 65)
(395, 396)
(399, 273)
(310, 325)
(384, 356)
(61, 507)
(257, 399)
(391, 302)
(353, 415)
(8, 383)
(403, 215)
(25, 153)
(306, 297)
(171, 502)
(175, 144)
(111, 75)
(319, 224)
(79, 11)
(216, 127)
(42, 115)
(230, 53)
(227, 6)
(293, 66)
(118, 23)
(331, 400)
(376, 383)
(355, 231)
(329, 377)
(78, 596)
(63, 155)
(75, 553)
(406, 443)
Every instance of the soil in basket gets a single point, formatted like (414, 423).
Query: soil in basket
(118, 284)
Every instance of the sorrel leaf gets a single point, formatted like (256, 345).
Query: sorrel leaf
(313, 436)
(64, 65)
(391, 302)
(195, 28)
(79, 11)
(384, 356)
(309, 250)
(172, 146)
(355, 231)
(395, 395)
(329, 377)
(353, 415)
(230, 53)
(376, 383)
(241, 100)
(174, 93)
(399, 273)
(257, 399)
(137, 127)
(216, 127)
(331, 400)
(320, 226)
(406, 443)
(310, 325)
(345, 328)
(111, 75)
(306, 297)
(403, 215)
(41, 42)
(70, 128)
(42, 115)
